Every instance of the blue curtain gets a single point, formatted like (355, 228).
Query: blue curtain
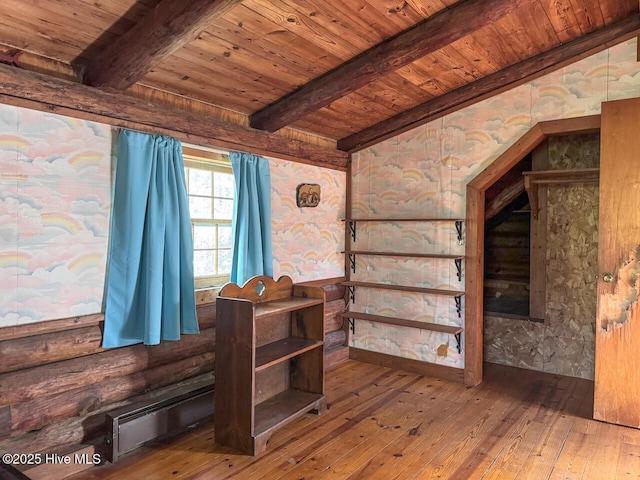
(251, 225)
(150, 286)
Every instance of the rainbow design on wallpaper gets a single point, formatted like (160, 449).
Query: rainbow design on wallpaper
(14, 143)
(61, 221)
(479, 136)
(15, 260)
(86, 159)
(86, 261)
(602, 71)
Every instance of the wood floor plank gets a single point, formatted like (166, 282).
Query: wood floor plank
(385, 424)
(557, 425)
(339, 428)
(628, 465)
(502, 459)
(338, 458)
(412, 451)
(606, 440)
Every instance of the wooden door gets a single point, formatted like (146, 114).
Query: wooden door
(617, 357)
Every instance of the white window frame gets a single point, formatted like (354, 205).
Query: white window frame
(214, 162)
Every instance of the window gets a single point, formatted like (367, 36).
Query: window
(210, 189)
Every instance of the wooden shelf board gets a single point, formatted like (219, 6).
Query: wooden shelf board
(282, 408)
(403, 219)
(276, 307)
(406, 288)
(276, 352)
(576, 174)
(403, 322)
(398, 254)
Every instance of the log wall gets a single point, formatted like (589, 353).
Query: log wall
(56, 382)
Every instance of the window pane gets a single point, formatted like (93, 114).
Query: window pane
(223, 185)
(204, 263)
(224, 261)
(223, 209)
(199, 182)
(204, 236)
(200, 207)
(224, 236)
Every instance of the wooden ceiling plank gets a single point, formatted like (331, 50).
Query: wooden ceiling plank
(436, 74)
(614, 11)
(352, 18)
(541, 31)
(222, 53)
(43, 24)
(529, 31)
(395, 92)
(473, 52)
(425, 77)
(169, 26)
(588, 14)
(231, 70)
(317, 29)
(200, 87)
(426, 37)
(503, 80)
(563, 18)
(406, 13)
(246, 26)
(43, 92)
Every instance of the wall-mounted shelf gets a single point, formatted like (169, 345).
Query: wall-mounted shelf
(403, 322)
(556, 177)
(353, 222)
(456, 294)
(456, 258)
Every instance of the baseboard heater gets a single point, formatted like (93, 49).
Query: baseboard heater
(133, 425)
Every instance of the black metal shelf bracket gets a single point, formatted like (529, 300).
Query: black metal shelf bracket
(352, 293)
(352, 325)
(459, 231)
(458, 300)
(458, 262)
(352, 262)
(458, 341)
(352, 229)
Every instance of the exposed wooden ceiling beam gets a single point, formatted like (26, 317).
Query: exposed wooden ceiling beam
(169, 26)
(434, 33)
(43, 92)
(493, 84)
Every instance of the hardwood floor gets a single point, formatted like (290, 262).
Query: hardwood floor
(388, 424)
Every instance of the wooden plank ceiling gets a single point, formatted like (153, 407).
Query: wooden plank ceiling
(354, 71)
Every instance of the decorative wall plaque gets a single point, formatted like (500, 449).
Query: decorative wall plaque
(308, 195)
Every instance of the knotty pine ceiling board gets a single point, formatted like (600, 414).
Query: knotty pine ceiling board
(563, 18)
(68, 30)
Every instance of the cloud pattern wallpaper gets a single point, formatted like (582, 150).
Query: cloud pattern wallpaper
(55, 205)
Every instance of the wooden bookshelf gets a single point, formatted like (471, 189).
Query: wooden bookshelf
(269, 359)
